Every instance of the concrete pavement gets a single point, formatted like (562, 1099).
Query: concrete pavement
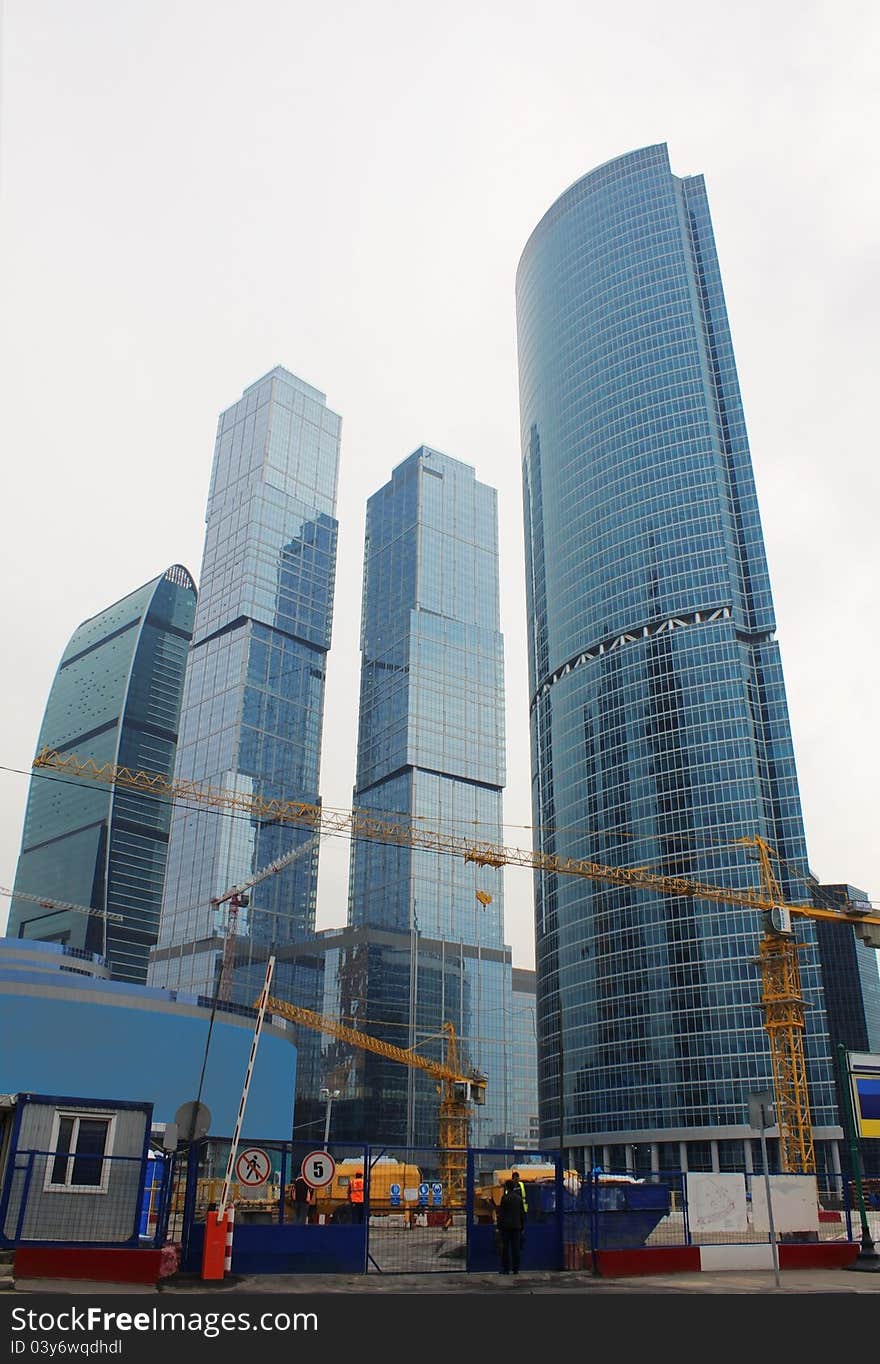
(810, 1281)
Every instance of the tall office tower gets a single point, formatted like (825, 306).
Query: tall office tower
(431, 752)
(254, 693)
(115, 698)
(659, 724)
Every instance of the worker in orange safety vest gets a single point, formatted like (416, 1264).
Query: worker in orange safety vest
(356, 1196)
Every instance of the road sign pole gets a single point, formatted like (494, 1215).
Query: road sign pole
(762, 1116)
(233, 1149)
(773, 1244)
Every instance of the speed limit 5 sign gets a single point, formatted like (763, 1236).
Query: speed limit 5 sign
(318, 1168)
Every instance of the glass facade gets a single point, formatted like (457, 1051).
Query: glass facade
(849, 972)
(659, 724)
(116, 698)
(254, 692)
(431, 750)
(400, 987)
(522, 1066)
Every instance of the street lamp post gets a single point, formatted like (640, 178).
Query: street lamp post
(328, 1095)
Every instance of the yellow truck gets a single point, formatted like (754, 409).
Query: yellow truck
(487, 1194)
(331, 1202)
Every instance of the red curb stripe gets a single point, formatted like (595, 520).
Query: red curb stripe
(79, 1262)
(650, 1260)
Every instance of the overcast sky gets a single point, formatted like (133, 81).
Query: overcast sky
(194, 191)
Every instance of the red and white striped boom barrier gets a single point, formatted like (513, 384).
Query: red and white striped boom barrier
(258, 1027)
(220, 1225)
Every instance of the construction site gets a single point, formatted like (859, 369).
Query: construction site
(370, 1208)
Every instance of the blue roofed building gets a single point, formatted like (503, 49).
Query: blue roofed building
(74, 1031)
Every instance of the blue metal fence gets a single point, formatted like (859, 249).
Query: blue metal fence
(113, 1205)
(412, 1223)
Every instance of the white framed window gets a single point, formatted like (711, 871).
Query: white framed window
(81, 1140)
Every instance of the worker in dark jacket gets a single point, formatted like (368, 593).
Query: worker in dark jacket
(302, 1198)
(511, 1220)
(514, 1175)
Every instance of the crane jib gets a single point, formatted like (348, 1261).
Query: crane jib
(782, 997)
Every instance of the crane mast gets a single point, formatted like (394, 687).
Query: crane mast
(784, 1021)
(782, 1001)
(237, 898)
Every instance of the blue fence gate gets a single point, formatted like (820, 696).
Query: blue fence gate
(427, 1210)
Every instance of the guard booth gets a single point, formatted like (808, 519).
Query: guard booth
(73, 1172)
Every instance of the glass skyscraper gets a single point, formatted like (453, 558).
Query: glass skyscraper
(116, 699)
(659, 724)
(431, 751)
(254, 693)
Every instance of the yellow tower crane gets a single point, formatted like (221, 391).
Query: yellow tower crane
(782, 1001)
(61, 906)
(458, 1091)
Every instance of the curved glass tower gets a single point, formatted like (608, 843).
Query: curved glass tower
(115, 698)
(659, 724)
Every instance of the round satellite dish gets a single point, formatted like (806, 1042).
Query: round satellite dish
(193, 1120)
